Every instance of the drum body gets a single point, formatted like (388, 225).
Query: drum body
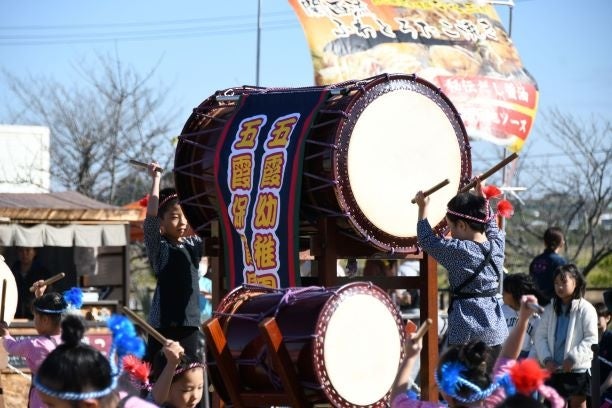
(345, 343)
(372, 146)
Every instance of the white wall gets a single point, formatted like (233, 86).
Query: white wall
(24, 159)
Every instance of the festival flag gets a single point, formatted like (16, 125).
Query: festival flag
(459, 46)
(258, 171)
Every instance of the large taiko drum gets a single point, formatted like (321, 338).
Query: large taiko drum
(346, 343)
(372, 146)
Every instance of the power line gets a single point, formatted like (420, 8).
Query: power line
(144, 35)
(143, 23)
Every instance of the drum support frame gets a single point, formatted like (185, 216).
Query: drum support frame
(327, 245)
(292, 394)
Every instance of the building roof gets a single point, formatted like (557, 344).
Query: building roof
(61, 207)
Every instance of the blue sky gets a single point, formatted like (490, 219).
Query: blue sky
(203, 46)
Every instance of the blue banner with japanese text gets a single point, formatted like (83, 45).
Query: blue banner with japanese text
(258, 170)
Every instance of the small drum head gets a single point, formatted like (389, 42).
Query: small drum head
(359, 346)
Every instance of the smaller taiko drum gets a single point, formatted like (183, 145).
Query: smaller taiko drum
(346, 343)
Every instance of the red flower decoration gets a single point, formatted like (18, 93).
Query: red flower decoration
(528, 376)
(491, 191)
(505, 209)
(137, 369)
(144, 201)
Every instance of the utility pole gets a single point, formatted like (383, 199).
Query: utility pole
(258, 42)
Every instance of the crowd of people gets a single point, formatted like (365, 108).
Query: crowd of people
(492, 336)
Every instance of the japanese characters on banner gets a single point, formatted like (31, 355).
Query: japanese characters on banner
(459, 46)
(258, 170)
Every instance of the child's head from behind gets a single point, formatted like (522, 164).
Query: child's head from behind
(173, 221)
(48, 311)
(569, 284)
(75, 374)
(521, 401)
(466, 210)
(467, 362)
(518, 284)
(553, 238)
(187, 383)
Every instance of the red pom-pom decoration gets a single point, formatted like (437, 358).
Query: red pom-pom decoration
(137, 369)
(505, 209)
(528, 376)
(491, 191)
(144, 201)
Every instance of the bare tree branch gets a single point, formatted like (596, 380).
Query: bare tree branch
(96, 127)
(575, 196)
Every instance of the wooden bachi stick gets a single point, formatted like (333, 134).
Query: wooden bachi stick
(145, 326)
(144, 165)
(49, 281)
(433, 189)
(489, 172)
(422, 329)
(3, 300)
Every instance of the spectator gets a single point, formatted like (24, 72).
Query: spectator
(515, 286)
(605, 354)
(543, 266)
(27, 270)
(565, 335)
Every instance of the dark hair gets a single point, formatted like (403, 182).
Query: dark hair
(602, 310)
(553, 238)
(471, 205)
(519, 284)
(474, 357)
(579, 291)
(159, 362)
(51, 305)
(74, 366)
(520, 401)
(166, 200)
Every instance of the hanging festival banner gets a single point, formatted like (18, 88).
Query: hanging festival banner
(258, 172)
(459, 46)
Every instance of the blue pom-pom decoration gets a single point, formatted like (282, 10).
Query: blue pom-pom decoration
(74, 297)
(411, 394)
(125, 339)
(450, 376)
(119, 324)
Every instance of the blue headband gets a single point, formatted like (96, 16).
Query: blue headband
(76, 396)
(125, 341)
(73, 298)
(451, 381)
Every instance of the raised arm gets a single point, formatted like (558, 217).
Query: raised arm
(173, 351)
(512, 346)
(154, 193)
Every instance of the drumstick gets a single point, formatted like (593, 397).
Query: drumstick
(488, 173)
(422, 329)
(144, 165)
(3, 300)
(146, 326)
(49, 281)
(535, 307)
(433, 189)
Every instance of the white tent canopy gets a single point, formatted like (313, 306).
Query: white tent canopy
(63, 236)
